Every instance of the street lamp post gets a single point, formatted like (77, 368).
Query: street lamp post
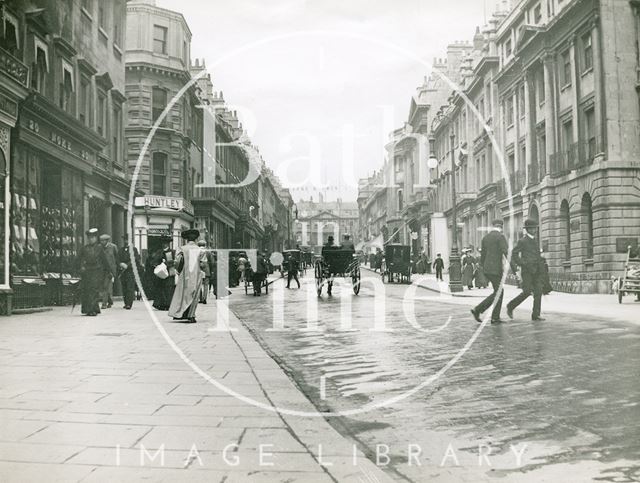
(455, 270)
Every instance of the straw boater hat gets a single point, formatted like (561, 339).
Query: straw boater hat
(92, 232)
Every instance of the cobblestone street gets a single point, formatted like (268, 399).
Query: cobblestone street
(564, 391)
(94, 399)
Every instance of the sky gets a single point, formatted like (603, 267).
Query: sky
(320, 84)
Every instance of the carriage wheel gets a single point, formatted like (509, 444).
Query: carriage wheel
(318, 276)
(620, 295)
(355, 280)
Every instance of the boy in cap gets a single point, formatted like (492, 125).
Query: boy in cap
(438, 265)
(111, 252)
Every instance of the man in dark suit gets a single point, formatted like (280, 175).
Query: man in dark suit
(127, 277)
(494, 249)
(526, 254)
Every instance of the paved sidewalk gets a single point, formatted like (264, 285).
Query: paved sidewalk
(605, 306)
(93, 399)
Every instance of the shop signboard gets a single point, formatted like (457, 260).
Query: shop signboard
(167, 202)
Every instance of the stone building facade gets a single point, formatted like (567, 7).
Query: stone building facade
(545, 125)
(66, 156)
(317, 220)
(158, 78)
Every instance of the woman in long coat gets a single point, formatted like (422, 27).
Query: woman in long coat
(190, 263)
(468, 268)
(93, 268)
(164, 287)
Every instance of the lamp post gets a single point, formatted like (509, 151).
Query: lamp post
(455, 270)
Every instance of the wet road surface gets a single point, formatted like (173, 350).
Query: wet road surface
(558, 399)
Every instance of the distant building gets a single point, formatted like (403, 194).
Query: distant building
(319, 220)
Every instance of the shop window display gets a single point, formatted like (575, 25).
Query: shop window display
(47, 218)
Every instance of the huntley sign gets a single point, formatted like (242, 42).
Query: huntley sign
(164, 202)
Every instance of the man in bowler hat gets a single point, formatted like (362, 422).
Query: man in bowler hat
(526, 254)
(494, 249)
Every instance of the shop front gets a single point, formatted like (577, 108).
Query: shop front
(50, 167)
(13, 90)
(156, 217)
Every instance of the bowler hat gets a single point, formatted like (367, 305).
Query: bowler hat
(191, 234)
(529, 223)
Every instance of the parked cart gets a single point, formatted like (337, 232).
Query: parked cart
(397, 263)
(630, 281)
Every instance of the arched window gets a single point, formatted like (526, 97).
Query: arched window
(566, 228)
(587, 223)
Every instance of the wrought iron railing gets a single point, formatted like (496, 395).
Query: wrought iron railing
(14, 67)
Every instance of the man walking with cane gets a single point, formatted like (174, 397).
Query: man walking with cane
(527, 255)
(494, 249)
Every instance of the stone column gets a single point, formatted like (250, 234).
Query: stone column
(529, 129)
(600, 105)
(549, 107)
(85, 212)
(576, 89)
(117, 230)
(108, 223)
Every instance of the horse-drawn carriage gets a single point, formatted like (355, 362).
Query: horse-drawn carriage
(337, 262)
(397, 263)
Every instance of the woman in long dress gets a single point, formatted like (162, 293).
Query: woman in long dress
(164, 287)
(190, 263)
(468, 268)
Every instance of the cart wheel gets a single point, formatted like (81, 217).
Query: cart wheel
(318, 276)
(620, 295)
(355, 280)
